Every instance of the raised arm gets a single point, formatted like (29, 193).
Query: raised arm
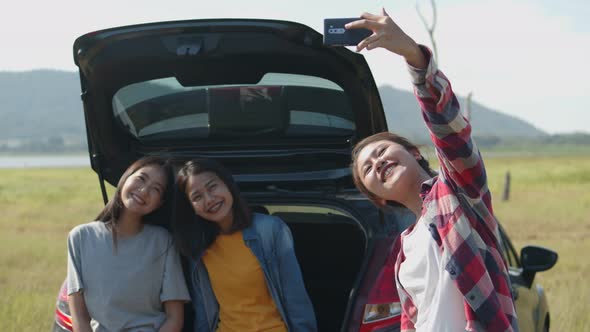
(461, 164)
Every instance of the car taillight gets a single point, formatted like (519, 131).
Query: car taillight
(62, 309)
(382, 308)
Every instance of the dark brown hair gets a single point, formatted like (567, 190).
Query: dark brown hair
(112, 211)
(193, 234)
(383, 136)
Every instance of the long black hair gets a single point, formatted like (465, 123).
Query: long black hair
(193, 234)
(111, 213)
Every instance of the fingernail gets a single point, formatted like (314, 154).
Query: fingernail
(347, 25)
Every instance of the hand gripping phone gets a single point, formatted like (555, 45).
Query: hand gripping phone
(335, 34)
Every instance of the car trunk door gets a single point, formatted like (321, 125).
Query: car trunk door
(264, 97)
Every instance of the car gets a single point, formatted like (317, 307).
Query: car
(282, 112)
(529, 297)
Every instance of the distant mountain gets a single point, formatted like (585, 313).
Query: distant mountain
(404, 118)
(43, 105)
(40, 104)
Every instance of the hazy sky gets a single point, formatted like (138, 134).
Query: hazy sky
(526, 58)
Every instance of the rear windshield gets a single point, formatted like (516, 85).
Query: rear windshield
(279, 105)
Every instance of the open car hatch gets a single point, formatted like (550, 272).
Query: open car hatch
(263, 97)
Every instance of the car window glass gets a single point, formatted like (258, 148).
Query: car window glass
(286, 105)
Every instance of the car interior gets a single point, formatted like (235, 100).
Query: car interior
(330, 250)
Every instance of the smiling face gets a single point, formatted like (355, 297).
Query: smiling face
(210, 198)
(143, 190)
(389, 171)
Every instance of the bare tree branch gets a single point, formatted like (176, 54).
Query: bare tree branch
(430, 28)
(468, 105)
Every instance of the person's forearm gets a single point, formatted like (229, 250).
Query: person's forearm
(415, 58)
(174, 316)
(80, 316)
(459, 158)
(80, 325)
(171, 325)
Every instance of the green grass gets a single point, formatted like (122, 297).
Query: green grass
(549, 206)
(515, 149)
(39, 207)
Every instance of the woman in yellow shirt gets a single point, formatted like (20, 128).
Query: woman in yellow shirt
(244, 275)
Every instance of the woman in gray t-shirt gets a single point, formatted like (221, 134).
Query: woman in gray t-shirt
(123, 273)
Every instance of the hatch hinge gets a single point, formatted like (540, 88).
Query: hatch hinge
(103, 189)
(84, 95)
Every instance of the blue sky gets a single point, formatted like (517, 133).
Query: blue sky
(524, 58)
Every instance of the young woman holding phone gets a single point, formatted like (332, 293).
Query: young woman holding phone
(450, 272)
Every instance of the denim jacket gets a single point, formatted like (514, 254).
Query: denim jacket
(271, 242)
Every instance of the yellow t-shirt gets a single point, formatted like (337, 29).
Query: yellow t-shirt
(239, 285)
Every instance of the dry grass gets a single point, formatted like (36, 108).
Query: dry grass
(549, 206)
(38, 207)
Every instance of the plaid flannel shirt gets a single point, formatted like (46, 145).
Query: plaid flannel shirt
(457, 207)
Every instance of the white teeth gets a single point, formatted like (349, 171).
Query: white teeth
(137, 199)
(388, 171)
(215, 208)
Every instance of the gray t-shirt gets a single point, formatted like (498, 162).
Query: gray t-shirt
(124, 290)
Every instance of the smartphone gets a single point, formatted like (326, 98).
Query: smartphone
(335, 34)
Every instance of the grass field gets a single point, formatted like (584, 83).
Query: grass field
(549, 206)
